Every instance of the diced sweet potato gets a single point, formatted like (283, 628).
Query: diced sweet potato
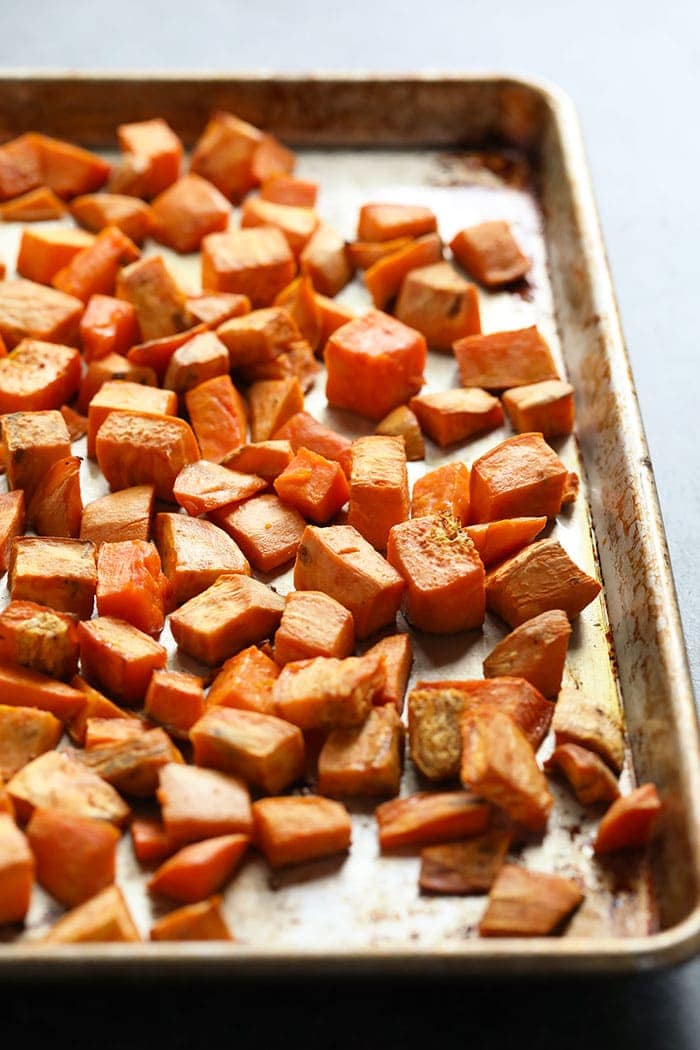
(303, 431)
(296, 224)
(200, 869)
(38, 375)
(67, 169)
(56, 506)
(341, 563)
(119, 657)
(464, 867)
(265, 751)
(202, 921)
(33, 441)
(213, 308)
(20, 166)
(245, 682)
(364, 254)
(325, 692)
(96, 211)
(378, 498)
(437, 301)
(133, 449)
(258, 336)
(286, 189)
(119, 516)
(131, 585)
(592, 723)
(32, 312)
(93, 271)
(630, 822)
(157, 145)
(443, 489)
(175, 700)
(11, 523)
(108, 326)
(120, 395)
(528, 903)
(17, 867)
(496, 540)
(383, 222)
(132, 764)
(325, 260)
(520, 477)
(498, 763)
(316, 486)
(43, 252)
(104, 918)
(149, 838)
(112, 366)
(199, 803)
(490, 253)
(374, 363)
(95, 707)
(298, 300)
(547, 408)
(40, 638)
(430, 816)
(333, 316)
(202, 487)
(402, 422)
(397, 656)
(35, 206)
(77, 424)
(254, 262)
(384, 277)
(589, 777)
(61, 573)
(103, 732)
(23, 687)
(267, 459)
(218, 415)
(456, 415)
(224, 154)
(57, 780)
(25, 733)
(233, 613)
(313, 624)
(502, 360)
(194, 553)
(293, 829)
(536, 650)
(444, 574)
(266, 529)
(201, 358)
(75, 856)
(6, 805)
(185, 212)
(156, 354)
(272, 402)
(160, 304)
(363, 760)
(539, 578)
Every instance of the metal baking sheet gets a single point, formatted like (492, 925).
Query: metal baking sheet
(475, 149)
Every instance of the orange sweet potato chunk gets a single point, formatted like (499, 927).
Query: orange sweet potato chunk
(316, 486)
(528, 903)
(67, 169)
(263, 750)
(286, 189)
(325, 692)
(272, 402)
(255, 262)
(298, 299)
(160, 304)
(295, 224)
(108, 326)
(267, 459)
(456, 415)
(224, 154)
(325, 261)
(444, 575)
(57, 780)
(258, 336)
(45, 251)
(33, 442)
(590, 779)
(201, 358)
(213, 308)
(149, 839)
(104, 918)
(155, 144)
(94, 270)
(202, 921)
(396, 655)
(130, 760)
(17, 868)
(378, 496)
(384, 277)
(24, 687)
(20, 166)
(630, 822)
(464, 867)
(245, 681)
(547, 408)
(430, 816)
(384, 222)
(95, 211)
(502, 360)
(521, 477)
(119, 516)
(443, 489)
(76, 423)
(112, 366)
(490, 253)
(61, 573)
(25, 733)
(35, 206)
(174, 700)
(156, 354)
(11, 523)
(267, 530)
(303, 431)
(75, 856)
(218, 415)
(437, 301)
(131, 585)
(340, 562)
(333, 315)
(124, 396)
(194, 553)
(536, 651)
(134, 449)
(202, 487)
(185, 212)
(365, 760)
(200, 869)
(374, 363)
(496, 540)
(293, 829)
(313, 624)
(198, 803)
(32, 312)
(40, 638)
(38, 375)
(119, 657)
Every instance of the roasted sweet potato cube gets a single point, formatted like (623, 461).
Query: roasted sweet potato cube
(539, 578)
(119, 516)
(35, 206)
(590, 779)
(296, 362)
(58, 780)
(444, 575)
(267, 459)
(266, 529)
(295, 224)
(185, 212)
(201, 358)
(384, 277)
(38, 376)
(536, 650)
(286, 189)
(112, 366)
(255, 262)
(149, 838)
(160, 304)
(108, 326)
(67, 169)
(11, 523)
(316, 486)
(325, 692)
(341, 563)
(245, 681)
(464, 867)
(218, 415)
(547, 408)
(17, 868)
(528, 903)
(272, 402)
(198, 803)
(490, 253)
(378, 497)
(363, 760)
(23, 687)
(312, 625)
(374, 363)
(233, 613)
(265, 751)
(430, 816)
(131, 764)
(258, 336)
(456, 415)
(630, 822)
(333, 316)
(303, 431)
(585, 720)
(202, 921)
(75, 856)
(437, 301)
(502, 360)
(496, 540)
(6, 805)
(33, 441)
(20, 166)
(133, 449)
(77, 424)
(213, 308)
(38, 637)
(383, 222)
(59, 572)
(121, 395)
(94, 270)
(25, 733)
(396, 655)
(95, 707)
(96, 211)
(364, 254)
(498, 763)
(200, 869)
(325, 261)
(224, 154)
(154, 142)
(521, 477)
(33, 312)
(104, 918)
(402, 422)
(175, 700)
(293, 829)
(119, 657)
(194, 553)
(156, 353)
(46, 250)
(443, 489)
(131, 585)
(202, 487)
(104, 732)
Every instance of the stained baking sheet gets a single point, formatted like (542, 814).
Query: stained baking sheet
(364, 907)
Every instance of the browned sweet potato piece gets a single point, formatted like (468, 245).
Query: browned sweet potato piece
(272, 402)
(547, 408)
(133, 449)
(160, 304)
(95, 707)
(56, 507)
(58, 780)
(35, 313)
(312, 624)
(585, 720)
(200, 869)
(490, 253)
(197, 360)
(93, 271)
(224, 154)
(233, 613)
(363, 760)
(218, 415)
(33, 442)
(383, 222)
(20, 166)
(77, 424)
(325, 692)
(37, 376)
(119, 516)
(292, 829)
(202, 921)
(299, 302)
(194, 554)
(35, 206)
(450, 416)
(536, 650)
(40, 638)
(154, 143)
(296, 224)
(185, 212)
(213, 308)
(496, 540)
(528, 903)
(43, 252)
(257, 263)
(11, 523)
(155, 354)
(61, 573)
(119, 657)
(201, 487)
(325, 260)
(378, 487)
(397, 656)
(630, 822)
(120, 395)
(112, 366)
(25, 733)
(498, 763)
(464, 867)
(303, 431)
(430, 816)
(267, 459)
(437, 301)
(198, 803)
(520, 477)
(17, 867)
(384, 277)
(68, 169)
(23, 687)
(267, 530)
(316, 486)
(443, 489)
(265, 751)
(131, 585)
(402, 422)
(104, 732)
(104, 918)
(96, 211)
(132, 764)
(589, 777)
(245, 682)
(75, 855)
(502, 360)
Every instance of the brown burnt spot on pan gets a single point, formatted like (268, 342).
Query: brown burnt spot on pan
(486, 168)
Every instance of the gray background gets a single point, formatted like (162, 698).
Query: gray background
(632, 68)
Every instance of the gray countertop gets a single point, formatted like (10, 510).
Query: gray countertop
(633, 71)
